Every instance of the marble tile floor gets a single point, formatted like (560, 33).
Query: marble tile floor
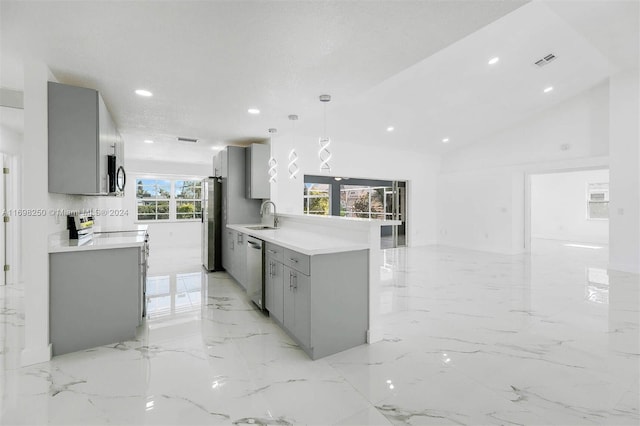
(474, 338)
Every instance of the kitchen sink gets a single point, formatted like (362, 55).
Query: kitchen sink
(260, 228)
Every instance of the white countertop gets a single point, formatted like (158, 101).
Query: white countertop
(309, 243)
(97, 242)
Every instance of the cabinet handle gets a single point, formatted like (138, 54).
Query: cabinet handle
(290, 281)
(293, 260)
(295, 281)
(272, 251)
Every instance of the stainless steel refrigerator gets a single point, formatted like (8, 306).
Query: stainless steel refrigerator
(212, 224)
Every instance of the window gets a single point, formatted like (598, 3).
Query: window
(188, 199)
(168, 199)
(153, 199)
(598, 201)
(371, 202)
(316, 198)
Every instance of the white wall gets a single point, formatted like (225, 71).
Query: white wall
(177, 234)
(481, 189)
(10, 141)
(35, 228)
(559, 207)
(624, 247)
(361, 161)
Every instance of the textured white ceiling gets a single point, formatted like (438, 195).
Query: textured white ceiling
(417, 65)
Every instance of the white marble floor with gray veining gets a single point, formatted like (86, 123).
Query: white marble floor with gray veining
(472, 338)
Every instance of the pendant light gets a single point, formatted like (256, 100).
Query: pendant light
(323, 153)
(293, 156)
(273, 163)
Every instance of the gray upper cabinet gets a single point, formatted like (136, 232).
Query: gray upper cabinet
(81, 135)
(257, 169)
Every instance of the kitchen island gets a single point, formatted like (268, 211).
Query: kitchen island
(96, 289)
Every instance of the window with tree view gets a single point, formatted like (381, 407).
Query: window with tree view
(168, 199)
(188, 199)
(371, 202)
(316, 198)
(153, 198)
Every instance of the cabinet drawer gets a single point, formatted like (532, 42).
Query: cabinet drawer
(275, 252)
(297, 261)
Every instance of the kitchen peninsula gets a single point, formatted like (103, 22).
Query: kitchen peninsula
(322, 279)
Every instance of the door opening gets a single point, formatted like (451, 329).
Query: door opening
(568, 207)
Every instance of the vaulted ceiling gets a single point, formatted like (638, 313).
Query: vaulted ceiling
(419, 66)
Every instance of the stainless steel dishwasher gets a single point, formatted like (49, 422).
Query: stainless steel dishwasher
(255, 271)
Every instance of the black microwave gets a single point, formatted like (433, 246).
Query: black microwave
(117, 176)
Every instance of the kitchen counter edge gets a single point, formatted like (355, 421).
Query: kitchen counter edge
(328, 246)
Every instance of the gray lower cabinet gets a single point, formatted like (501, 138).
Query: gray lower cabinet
(234, 256)
(321, 301)
(94, 298)
(274, 283)
(297, 312)
(228, 254)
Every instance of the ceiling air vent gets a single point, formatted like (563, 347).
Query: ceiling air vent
(181, 139)
(544, 61)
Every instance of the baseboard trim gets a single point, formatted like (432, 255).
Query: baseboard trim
(374, 335)
(622, 267)
(31, 356)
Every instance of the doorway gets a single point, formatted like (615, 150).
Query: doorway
(569, 207)
(3, 224)
(360, 198)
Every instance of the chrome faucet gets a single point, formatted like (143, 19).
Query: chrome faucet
(264, 209)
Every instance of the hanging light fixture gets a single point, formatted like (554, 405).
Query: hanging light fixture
(323, 153)
(293, 156)
(273, 163)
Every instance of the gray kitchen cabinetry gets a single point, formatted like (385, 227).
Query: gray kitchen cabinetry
(236, 250)
(274, 281)
(297, 315)
(220, 164)
(236, 208)
(257, 171)
(228, 251)
(94, 297)
(81, 136)
(321, 301)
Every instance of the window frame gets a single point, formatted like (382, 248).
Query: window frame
(596, 188)
(173, 201)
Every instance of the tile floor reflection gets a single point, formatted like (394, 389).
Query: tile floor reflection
(550, 338)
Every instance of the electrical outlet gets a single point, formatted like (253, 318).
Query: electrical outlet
(621, 211)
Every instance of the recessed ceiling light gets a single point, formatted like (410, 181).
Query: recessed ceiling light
(253, 111)
(548, 89)
(445, 140)
(390, 129)
(148, 141)
(494, 60)
(142, 92)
